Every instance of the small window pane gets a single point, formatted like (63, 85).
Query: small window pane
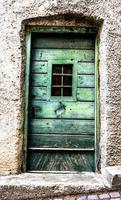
(56, 91)
(67, 69)
(67, 80)
(57, 69)
(56, 80)
(67, 91)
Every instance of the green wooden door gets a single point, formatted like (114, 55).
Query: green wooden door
(61, 130)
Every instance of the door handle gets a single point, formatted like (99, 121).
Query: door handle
(60, 110)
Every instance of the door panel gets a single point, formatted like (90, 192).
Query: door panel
(60, 161)
(39, 79)
(39, 67)
(72, 126)
(61, 130)
(86, 81)
(52, 54)
(83, 110)
(86, 68)
(39, 93)
(85, 94)
(61, 43)
(61, 141)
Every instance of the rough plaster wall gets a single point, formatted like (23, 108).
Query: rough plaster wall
(12, 14)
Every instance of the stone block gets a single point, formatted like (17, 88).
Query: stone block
(104, 196)
(83, 197)
(114, 194)
(113, 175)
(93, 197)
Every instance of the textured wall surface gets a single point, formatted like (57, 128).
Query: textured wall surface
(12, 15)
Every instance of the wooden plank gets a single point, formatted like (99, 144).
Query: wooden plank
(61, 126)
(39, 67)
(63, 43)
(86, 68)
(38, 93)
(62, 54)
(80, 110)
(60, 141)
(60, 149)
(57, 161)
(97, 105)
(86, 81)
(81, 31)
(26, 97)
(85, 94)
(39, 79)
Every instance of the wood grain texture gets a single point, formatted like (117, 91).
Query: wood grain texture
(39, 67)
(58, 161)
(72, 110)
(39, 93)
(63, 43)
(85, 94)
(90, 32)
(86, 68)
(26, 98)
(39, 79)
(62, 126)
(62, 54)
(86, 81)
(60, 141)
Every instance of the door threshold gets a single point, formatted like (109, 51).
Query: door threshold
(46, 185)
(55, 172)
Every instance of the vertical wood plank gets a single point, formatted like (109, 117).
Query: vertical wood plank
(26, 89)
(97, 111)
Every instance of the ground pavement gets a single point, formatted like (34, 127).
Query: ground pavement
(115, 195)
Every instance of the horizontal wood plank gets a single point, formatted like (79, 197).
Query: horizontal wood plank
(74, 110)
(39, 67)
(62, 126)
(86, 81)
(60, 141)
(39, 80)
(85, 94)
(86, 68)
(57, 161)
(63, 43)
(51, 54)
(82, 32)
(38, 93)
(59, 149)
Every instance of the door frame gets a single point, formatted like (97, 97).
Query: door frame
(81, 30)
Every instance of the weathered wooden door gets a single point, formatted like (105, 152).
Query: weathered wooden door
(61, 130)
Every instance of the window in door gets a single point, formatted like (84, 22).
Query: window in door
(61, 80)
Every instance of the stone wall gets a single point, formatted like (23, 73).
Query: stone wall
(14, 16)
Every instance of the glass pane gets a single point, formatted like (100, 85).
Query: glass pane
(56, 91)
(67, 80)
(57, 69)
(67, 91)
(67, 69)
(61, 77)
(56, 80)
